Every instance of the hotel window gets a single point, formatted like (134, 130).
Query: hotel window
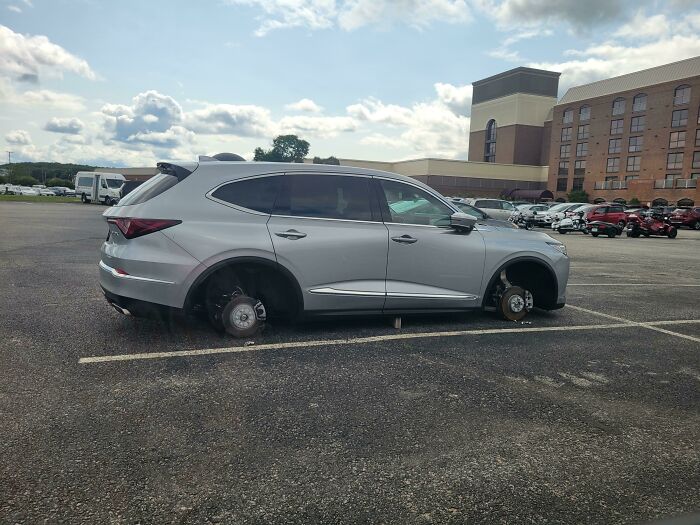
(618, 106)
(679, 118)
(582, 149)
(613, 165)
(561, 184)
(677, 139)
(490, 143)
(636, 144)
(614, 145)
(578, 184)
(564, 168)
(637, 124)
(584, 131)
(697, 137)
(634, 163)
(564, 150)
(681, 95)
(580, 167)
(568, 116)
(698, 115)
(674, 161)
(584, 113)
(696, 160)
(631, 177)
(616, 126)
(565, 134)
(639, 102)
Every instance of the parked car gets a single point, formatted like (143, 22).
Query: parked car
(244, 241)
(46, 192)
(62, 191)
(686, 216)
(482, 216)
(532, 210)
(27, 191)
(496, 208)
(613, 213)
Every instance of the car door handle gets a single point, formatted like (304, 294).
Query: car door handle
(291, 234)
(404, 239)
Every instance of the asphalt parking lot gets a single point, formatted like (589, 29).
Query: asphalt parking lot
(589, 414)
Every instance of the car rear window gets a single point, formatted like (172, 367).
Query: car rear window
(489, 205)
(149, 189)
(254, 194)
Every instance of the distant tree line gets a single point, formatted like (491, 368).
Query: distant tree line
(30, 173)
(289, 148)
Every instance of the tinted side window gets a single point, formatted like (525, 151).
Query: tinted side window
(410, 205)
(615, 209)
(326, 197)
(85, 181)
(254, 194)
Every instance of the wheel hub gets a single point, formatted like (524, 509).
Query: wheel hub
(242, 316)
(516, 304)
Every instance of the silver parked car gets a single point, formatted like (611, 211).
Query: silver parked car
(496, 208)
(245, 241)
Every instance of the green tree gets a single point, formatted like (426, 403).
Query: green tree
(285, 148)
(3, 179)
(24, 180)
(577, 196)
(59, 182)
(634, 201)
(330, 160)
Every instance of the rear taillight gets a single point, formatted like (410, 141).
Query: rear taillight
(132, 227)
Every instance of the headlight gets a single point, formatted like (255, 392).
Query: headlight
(558, 246)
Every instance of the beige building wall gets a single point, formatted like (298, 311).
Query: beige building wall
(518, 108)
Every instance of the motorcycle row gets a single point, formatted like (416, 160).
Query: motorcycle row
(638, 224)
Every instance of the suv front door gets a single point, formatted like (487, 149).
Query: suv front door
(327, 230)
(430, 265)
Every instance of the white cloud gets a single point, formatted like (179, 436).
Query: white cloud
(643, 26)
(353, 14)
(579, 14)
(52, 99)
(25, 58)
(612, 59)
(323, 127)
(457, 98)
(306, 105)
(14, 8)
(71, 126)
(18, 137)
(240, 120)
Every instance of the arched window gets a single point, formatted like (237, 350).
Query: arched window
(584, 113)
(685, 202)
(568, 116)
(639, 102)
(490, 142)
(660, 201)
(681, 95)
(618, 106)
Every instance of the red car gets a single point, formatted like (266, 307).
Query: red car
(612, 213)
(686, 216)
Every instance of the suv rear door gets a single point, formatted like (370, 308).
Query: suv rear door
(430, 265)
(326, 229)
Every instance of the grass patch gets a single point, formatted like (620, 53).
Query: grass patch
(34, 198)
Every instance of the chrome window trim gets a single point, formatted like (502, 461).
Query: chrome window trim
(118, 275)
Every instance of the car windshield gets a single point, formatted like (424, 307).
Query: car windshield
(559, 207)
(681, 210)
(114, 183)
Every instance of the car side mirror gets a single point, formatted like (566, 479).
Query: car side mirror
(462, 221)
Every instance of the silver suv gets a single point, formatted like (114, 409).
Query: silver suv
(244, 241)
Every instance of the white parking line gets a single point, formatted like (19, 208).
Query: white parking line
(641, 285)
(374, 339)
(648, 325)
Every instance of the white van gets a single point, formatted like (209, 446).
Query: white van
(98, 187)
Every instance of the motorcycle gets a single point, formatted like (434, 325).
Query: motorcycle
(522, 221)
(650, 223)
(573, 223)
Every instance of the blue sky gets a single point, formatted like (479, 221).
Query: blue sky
(132, 82)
